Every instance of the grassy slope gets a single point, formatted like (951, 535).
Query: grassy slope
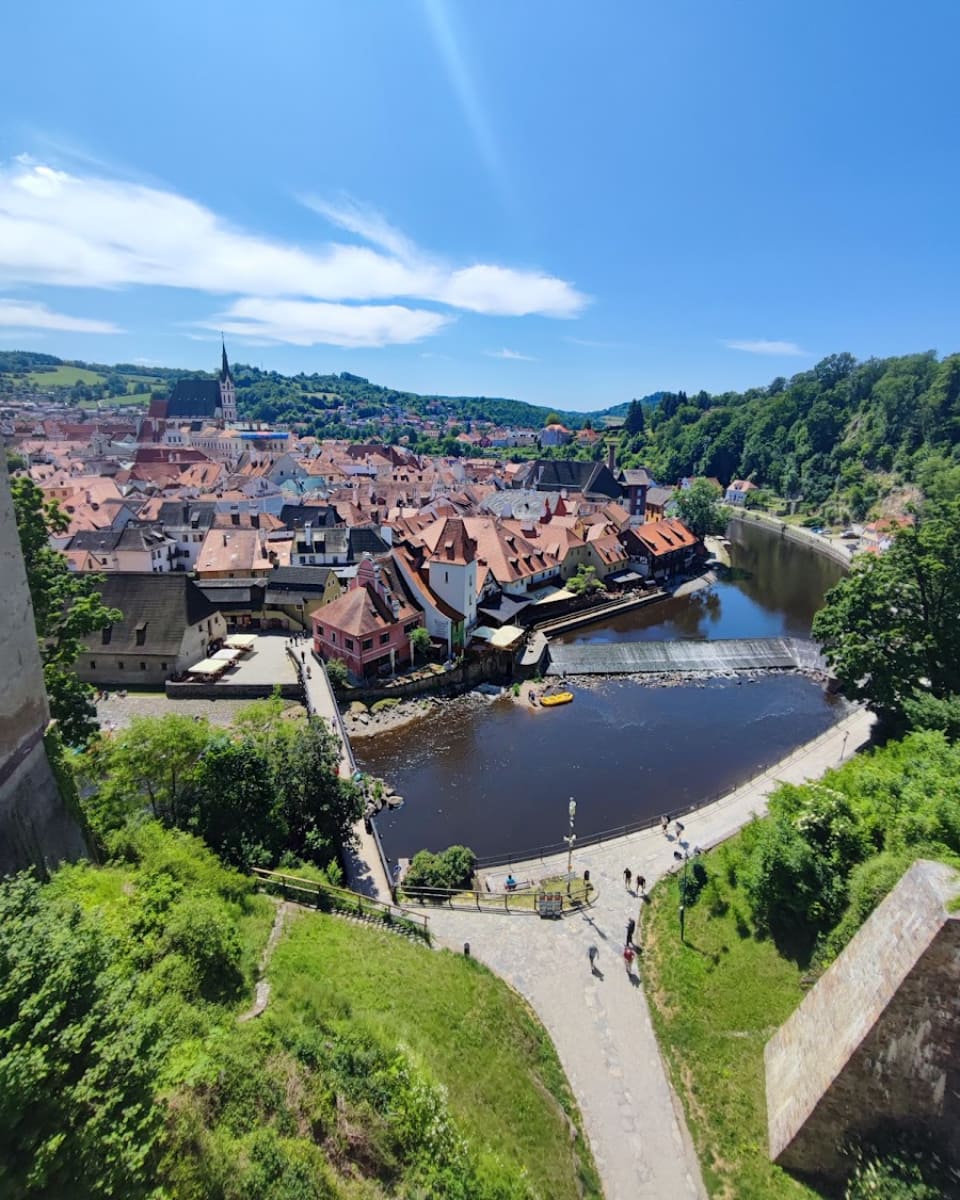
(469, 1030)
(64, 377)
(715, 1002)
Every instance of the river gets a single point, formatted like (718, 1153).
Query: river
(497, 776)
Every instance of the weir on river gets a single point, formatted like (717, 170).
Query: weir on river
(684, 657)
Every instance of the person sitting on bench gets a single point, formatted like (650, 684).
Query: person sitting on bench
(511, 884)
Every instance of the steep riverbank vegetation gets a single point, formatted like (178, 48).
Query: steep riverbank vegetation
(378, 1069)
(765, 913)
(264, 793)
(837, 439)
(890, 629)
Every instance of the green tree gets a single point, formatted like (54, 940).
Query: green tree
(635, 422)
(419, 640)
(700, 509)
(337, 673)
(452, 869)
(77, 1057)
(584, 581)
(890, 629)
(552, 418)
(66, 608)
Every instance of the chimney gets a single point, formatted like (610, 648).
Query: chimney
(308, 534)
(611, 456)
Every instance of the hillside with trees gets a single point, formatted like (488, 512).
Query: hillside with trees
(836, 439)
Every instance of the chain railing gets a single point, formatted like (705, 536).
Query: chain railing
(533, 898)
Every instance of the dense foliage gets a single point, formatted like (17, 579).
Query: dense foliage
(66, 607)
(125, 1072)
(818, 864)
(836, 437)
(890, 629)
(700, 510)
(450, 869)
(264, 793)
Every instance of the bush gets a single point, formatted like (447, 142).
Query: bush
(385, 704)
(338, 674)
(451, 869)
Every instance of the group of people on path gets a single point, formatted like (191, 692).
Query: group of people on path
(630, 947)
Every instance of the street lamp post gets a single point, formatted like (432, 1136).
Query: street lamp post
(685, 855)
(570, 839)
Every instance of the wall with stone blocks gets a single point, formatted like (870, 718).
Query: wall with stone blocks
(877, 1041)
(35, 827)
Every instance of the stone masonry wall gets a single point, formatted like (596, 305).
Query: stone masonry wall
(35, 827)
(876, 1043)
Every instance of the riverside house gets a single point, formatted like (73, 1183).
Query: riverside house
(369, 626)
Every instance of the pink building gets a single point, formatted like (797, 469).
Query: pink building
(369, 626)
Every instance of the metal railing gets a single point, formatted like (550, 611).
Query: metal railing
(329, 898)
(652, 822)
(522, 899)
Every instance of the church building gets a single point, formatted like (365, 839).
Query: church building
(200, 399)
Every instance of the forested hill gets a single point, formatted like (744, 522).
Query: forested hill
(265, 395)
(840, 436)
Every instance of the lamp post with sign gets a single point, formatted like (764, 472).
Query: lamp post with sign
(570, 839)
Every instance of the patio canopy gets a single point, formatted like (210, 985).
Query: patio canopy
(227, 655)
(240, 641)
(208, 667)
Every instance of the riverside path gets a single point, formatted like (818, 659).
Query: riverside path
(600, 1024)
(363, 863)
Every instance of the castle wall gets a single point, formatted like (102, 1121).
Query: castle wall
(35, 827)
(876, 1043)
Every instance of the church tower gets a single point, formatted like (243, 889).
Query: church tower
(228, 395)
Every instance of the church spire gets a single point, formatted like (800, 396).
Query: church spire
(225, 366)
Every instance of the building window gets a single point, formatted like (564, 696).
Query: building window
(349, 643)
(319, 631)
(446, 577)
(333, 637)
(119, 665)
(143, 666)
(93, 664)
(368, 643)
(410, 626)
(163, 666)
(384, 638)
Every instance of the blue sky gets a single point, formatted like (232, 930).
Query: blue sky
(568, 203)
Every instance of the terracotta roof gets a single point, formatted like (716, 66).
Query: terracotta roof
(454, 544)
(663, 537)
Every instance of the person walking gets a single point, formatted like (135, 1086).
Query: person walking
(631, 928)
(679, 828)
(628, 957)
(664, 825)
(627, 878)
(641, 885)
(592, 953)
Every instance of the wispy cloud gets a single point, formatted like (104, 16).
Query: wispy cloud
(514, 354)
(760, 346)
(73, 230)
(461, 80)
(25, 314)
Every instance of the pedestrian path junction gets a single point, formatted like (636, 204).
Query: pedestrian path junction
(599, 1022)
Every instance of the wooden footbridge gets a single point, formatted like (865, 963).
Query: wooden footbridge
(721, 657)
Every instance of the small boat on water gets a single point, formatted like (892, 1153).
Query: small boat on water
(556, 698)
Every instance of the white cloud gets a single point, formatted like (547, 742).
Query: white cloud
(25, 314)
(514, 354)
(307, 323)
(70, 230)
(759, 346)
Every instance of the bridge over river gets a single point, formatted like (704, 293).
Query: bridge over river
(719, 657)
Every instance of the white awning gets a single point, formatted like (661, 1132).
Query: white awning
(208, 667)
(240, 641)
(506, 637)
(226, 655)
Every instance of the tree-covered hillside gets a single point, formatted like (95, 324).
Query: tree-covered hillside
(838, 437)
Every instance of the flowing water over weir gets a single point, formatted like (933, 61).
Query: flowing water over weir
(684, 657)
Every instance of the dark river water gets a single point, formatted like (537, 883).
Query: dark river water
(497, 777)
